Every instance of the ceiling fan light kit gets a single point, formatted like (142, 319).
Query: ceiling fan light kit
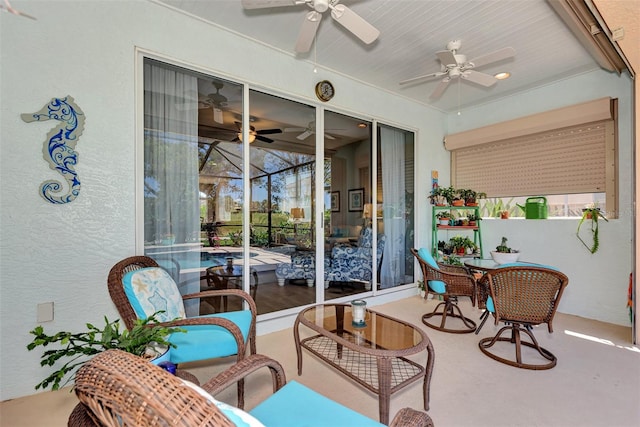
(339, 12)
(454, 65)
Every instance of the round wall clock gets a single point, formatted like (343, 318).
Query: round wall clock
(325, 90)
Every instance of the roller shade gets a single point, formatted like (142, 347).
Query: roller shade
(579, 158)
(587, 112)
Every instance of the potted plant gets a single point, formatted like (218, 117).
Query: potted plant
(457, 198)
(460, 244)
(473, 219)
(591, 212)
(504, 254)
(449, 193)
(444, 218)
(437, 197)
(146, 339)
(471, 197)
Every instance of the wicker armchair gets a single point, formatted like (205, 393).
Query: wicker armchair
(210, 336)
(119, 389)
(522, 297)
(450, 283)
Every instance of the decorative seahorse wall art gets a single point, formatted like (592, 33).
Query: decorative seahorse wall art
(59, 146)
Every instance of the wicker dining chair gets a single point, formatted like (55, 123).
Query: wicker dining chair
(523, 297)
(449, 282)
(116, 388)
(208, 336)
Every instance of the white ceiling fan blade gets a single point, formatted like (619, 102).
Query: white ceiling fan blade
(304, 135)
(308, 31)
(261, 4)
(355, 23)
(439, 90)
(479, 78)
(327, 136)
(218, 116)
(498, 55)
(446, 57)
(8, 8)
(425, 77)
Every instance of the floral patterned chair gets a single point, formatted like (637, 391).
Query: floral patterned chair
(353, 263)
(302, 266)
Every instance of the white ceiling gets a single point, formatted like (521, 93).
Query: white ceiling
(411, 32)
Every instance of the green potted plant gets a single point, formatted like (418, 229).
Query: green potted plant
(437, 196)
(444, 217)
(449, 193)
(473, 219)
(471, 197)
(146, 339)
(591, 212)
(504, 254)
(460, 244)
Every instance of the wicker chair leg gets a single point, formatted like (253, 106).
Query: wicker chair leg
(515, 339)
(449, 309)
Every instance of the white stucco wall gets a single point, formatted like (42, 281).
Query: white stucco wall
(87, 50)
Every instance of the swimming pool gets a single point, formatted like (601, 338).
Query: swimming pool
(195, 259)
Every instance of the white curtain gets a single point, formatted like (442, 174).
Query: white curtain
(172, 213)
(392, 146)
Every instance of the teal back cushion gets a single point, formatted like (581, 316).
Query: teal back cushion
(427, 257)
(152, 289)
(437, 286)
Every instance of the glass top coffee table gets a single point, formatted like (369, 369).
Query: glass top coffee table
(373, 355)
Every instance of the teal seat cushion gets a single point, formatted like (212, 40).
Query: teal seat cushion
(210, 341)
(489, 304)
(152, 289)
(295, 405)
(427, 257)
(438, 286)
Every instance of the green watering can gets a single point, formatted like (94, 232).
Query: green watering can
(535, 208)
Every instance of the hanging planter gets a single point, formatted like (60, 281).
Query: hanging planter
(591, 213)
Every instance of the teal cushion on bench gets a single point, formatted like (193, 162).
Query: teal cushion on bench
(295, 405)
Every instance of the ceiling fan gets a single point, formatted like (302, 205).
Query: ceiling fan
(454, 65)
(216, 101)
(236, 135)
(7, 7)
(255, 134)
(340, 13)
(309, 130)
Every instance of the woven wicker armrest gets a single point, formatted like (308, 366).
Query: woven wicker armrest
(242, 369)
(225, 292)
(408, 417)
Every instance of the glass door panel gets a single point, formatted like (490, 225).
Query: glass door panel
(349, 256)
(282, 201)
(395, 200)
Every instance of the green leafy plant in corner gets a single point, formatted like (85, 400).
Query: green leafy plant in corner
(140, 340)
(592, 213)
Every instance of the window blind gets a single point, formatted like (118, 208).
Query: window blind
(580, 158)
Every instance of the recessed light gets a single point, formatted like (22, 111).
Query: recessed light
(362, 125)
(502, 76)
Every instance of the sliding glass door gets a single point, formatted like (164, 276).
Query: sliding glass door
(324, 212)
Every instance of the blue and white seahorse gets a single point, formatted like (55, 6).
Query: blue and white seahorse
(59, 146)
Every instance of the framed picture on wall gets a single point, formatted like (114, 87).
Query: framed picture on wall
(335, 201)
(356, 200)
